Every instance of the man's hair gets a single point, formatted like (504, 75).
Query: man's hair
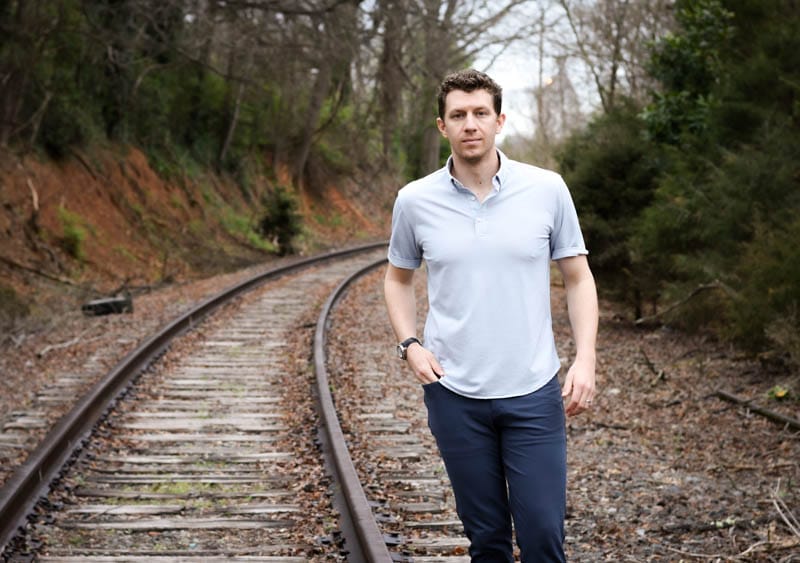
(469, 80)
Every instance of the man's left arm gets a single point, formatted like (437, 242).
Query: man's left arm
(579, 384)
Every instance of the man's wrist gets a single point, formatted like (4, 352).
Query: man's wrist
(586, 356)
(403, 347)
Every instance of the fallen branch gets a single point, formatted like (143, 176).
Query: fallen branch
(763, 411)
(706, 526)
(743, 556)
(34, 196)
(695, 555)
(51, 277)
(786, 515)
(659, 374)
(694, 293)
(66, 344)
(15, 340)
(611, 426)
(763, 545)
(753, 548)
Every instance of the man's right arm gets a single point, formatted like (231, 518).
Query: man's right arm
(401, 303)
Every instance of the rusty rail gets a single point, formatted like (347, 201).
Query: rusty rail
(31, 480)
(366, 542)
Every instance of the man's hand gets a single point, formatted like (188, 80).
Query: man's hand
(424, 364)
(583, 317)
(579, 385)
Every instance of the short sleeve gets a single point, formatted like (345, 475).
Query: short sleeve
(566, 239)
(404, 252)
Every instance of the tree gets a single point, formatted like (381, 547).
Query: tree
(391, 78)
(38, 44)
(611, 38)
(439, 36)
(338, 44)
(688, 67)
(727, 120)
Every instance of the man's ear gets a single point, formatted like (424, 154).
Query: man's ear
(501, 119)
(440, 125)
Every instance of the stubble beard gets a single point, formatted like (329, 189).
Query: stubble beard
(476, 158)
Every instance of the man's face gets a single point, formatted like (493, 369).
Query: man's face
(470, 124)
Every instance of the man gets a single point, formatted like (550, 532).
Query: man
(487, 228)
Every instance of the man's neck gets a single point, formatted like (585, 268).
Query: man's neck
(477, 176)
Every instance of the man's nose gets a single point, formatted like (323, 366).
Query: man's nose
(469, 122)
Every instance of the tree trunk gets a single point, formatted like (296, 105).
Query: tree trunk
(231, 126)
(438, 61)
(319, 92)
(391, 73)
(431, 147)
(14, 77)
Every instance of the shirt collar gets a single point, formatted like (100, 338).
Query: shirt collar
(498, 180)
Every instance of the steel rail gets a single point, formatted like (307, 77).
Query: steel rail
(368, 544)
(31, 479)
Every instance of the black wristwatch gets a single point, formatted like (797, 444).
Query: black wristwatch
(402, 348)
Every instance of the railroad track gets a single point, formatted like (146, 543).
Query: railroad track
(210, 454)
(200, 457)
(215, 451)
(380, 405)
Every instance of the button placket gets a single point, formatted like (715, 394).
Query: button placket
(481, 227)
(481, 222)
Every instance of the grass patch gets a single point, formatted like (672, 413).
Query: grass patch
(242, 228)
(74, 233)
(125, 253)
(197, 227)
(176, 201)
(332, 220)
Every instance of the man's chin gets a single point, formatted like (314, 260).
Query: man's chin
(473, 157)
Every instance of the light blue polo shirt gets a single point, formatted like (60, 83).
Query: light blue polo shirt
(489, 321)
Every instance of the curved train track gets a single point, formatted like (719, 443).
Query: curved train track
(204, 444)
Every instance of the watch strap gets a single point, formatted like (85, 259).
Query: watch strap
(403, 346)
(409, 341)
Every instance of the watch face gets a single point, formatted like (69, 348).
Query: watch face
(401, 352)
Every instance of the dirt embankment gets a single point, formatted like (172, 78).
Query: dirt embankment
(105, 220)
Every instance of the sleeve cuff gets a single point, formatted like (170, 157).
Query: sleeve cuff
(406, 263)
(568, 252)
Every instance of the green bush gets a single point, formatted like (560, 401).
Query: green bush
(65, 124)
(240, 226)
(611, 170)
(689, 64)
(728, 223)
(768, 311)
(74, 233)
(280, 221)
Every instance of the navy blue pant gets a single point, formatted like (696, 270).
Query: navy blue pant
(505, 458)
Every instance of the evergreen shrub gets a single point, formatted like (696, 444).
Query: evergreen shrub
(65, 124)
(280, 221)
(611, 170)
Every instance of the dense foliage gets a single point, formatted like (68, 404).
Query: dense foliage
(688, 197)
(696, 200)
(348, 83)
(171, 77)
